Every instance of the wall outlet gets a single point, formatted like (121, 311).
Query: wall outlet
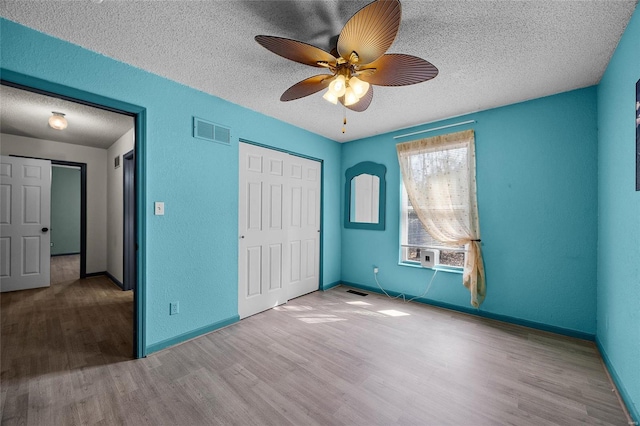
(51, 244)
(375, 269)
(174, 308)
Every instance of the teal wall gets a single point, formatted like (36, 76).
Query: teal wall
(65, 210)
(543, 179)
(190, 253)
(619, 218)
(537, 182)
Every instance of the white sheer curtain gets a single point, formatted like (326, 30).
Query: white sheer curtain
(439, 174)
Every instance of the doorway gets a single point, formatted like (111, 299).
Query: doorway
(279, 228)
(65, 219)
(68, 220)
(136, 116)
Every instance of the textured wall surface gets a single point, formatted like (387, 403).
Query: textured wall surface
(191, 251)
(536, 174)
(65, 210)
(619, 217)
(95, 158)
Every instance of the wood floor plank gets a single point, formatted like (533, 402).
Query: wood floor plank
(65, 268)
(330, 358)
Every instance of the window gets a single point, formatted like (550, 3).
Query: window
(440, 178)
(440, 167)
(415, 238)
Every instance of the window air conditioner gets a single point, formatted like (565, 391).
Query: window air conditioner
(429, 258)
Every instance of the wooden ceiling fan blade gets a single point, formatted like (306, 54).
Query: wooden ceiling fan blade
(307, 87)
(371, 31)
(363, 103)
(296, 51)
(398, 70)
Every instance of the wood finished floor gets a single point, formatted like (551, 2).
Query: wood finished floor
(65, 268)
(328, 358)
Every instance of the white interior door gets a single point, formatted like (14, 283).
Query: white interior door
(278, 224)
(261, 223)
(25, 210)
(303, 176)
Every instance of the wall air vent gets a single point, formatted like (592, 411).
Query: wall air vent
(209, 131)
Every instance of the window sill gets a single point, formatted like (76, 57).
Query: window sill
(442, 268)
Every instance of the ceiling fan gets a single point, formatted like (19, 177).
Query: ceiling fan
(357, 62)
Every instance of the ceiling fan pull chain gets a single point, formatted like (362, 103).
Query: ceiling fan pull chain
(344, 120)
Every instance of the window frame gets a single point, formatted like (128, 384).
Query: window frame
(404, 245)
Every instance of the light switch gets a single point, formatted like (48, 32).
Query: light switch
(158, 208)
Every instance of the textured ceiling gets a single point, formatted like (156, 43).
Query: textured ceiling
(25, 113)
(489, 53)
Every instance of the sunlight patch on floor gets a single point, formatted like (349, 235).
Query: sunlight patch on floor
(293, 308)
(394, 313)
(320, 318)
(364, 312)
(359, 303)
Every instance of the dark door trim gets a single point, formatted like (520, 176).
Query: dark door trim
(83, 211)
(129, 221)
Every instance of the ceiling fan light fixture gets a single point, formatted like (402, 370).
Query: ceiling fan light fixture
(338, 86)
(57, 121)
(331, 97)
(350, 97)
(359, 51)
(359, 87)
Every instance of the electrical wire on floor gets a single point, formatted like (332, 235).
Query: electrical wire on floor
(427, 289)
(404, 299)
(375, 276)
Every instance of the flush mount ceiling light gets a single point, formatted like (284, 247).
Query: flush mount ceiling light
(57, 121)
(357, 62)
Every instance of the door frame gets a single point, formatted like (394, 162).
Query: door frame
(83, 210)
(139, 114)
(321, 161)
(129, 221)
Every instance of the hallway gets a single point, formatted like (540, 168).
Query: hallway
(51, 339)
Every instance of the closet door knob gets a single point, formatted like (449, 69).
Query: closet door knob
(45, 229)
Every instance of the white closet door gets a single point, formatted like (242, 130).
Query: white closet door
(278, 224)
(262, 244)
(25, 210)
(303, 176)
